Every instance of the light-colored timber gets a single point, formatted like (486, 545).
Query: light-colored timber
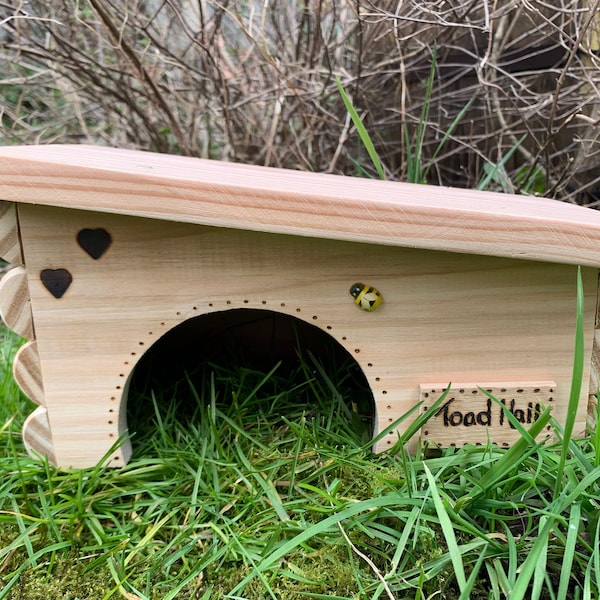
(28, 373)
(10, 245)
(123, 250)
(15, 308)
(297, 203)
(37, 435)
(469, 411)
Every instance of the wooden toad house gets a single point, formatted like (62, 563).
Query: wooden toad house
(112, 249)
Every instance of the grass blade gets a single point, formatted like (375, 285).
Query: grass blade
(465, 594)
(539, 572)
(363, 134)
(447, 135)
(448, 530)
(576, 382)
(326, 525)
(569, 551)
(515, 456)
(495, 169)
(535, 557)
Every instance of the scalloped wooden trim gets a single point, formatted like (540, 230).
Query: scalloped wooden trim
(10, 244)
(15, 305)
(37, 435)
(28, 373)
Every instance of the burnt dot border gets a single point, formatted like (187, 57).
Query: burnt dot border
(181, 316)
(498, 394)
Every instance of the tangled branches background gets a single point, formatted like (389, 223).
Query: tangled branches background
(255, 81)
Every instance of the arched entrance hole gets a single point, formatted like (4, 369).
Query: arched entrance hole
(261, 368)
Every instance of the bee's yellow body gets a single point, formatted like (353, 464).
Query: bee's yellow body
(365, 297)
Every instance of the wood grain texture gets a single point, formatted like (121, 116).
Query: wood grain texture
(469, 416)
(10, 245)
(445, 316)
(15, 307)
(28, 373)
(37, 435)
(304, 204)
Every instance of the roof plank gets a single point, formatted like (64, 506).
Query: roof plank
(221, 194)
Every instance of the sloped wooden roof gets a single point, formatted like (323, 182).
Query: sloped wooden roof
(222, 194)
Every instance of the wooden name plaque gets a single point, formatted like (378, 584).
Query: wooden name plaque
(476, 414)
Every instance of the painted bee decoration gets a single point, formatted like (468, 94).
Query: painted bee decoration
(365, 296)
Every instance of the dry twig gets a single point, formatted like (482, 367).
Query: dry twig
(254, 81)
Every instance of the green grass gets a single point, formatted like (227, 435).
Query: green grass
(258, 484)
(416, 170)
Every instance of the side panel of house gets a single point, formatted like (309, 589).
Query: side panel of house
(104, 288)
(15, 309)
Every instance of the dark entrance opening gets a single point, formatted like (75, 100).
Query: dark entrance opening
(262, 366)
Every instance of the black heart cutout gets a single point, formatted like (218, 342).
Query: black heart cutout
(94, 241)
(56, 281)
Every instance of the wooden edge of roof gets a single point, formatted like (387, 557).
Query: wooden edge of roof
(214, 193)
